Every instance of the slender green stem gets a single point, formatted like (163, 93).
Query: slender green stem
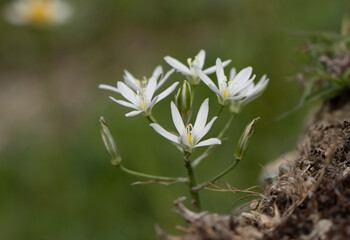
(220, 110)
(151, 119)
(153, 177)
(193, 91)
(217, 177)
(209, 150)
(192, 181)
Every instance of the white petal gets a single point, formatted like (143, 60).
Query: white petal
(152, 103)
(216, 90)
(127, 93)
(205, 130)
(124, 103)
(131, 81)
(242, 86)
(210, 70)
(206, 79)
(201, 58)
(133, 113)
(107, 87)
(165, 133)
(213, 68)
(208, 142)
(225, 63)
(157, 72)
(150, 89)
(180, 127)
(202, 116)
(166, 76)
(233, 73)
(177, 65)
(167, 91)
(243, 75)
(220, 72)
(238, 97)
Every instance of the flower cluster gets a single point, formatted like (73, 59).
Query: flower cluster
(238, 90)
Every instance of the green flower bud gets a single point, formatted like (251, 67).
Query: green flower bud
(183, 101)
(110, 143)
(244, 140)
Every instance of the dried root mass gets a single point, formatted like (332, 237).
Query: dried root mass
(312, 201)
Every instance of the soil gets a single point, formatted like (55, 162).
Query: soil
(309, 201)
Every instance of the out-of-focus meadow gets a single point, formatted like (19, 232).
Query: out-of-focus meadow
(56, 181)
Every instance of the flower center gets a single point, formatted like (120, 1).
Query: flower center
(40, 11)
(188, 132)
(141, 99)
(191, 63)
(142, 83)
(225, 85)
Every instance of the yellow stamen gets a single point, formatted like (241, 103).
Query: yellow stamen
(189, 61)
(189, 137)
(188, 132)
(225, 93)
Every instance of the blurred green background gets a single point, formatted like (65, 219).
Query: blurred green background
(56, 181)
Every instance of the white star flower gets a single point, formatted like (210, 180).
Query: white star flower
(38, 12)
(138, 85)
(190, 71)
(189, 136)
(228, 89)
(142, 101)
(252, 92)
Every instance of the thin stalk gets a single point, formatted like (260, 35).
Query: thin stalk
(192, 182)
(193, 90)
(153, 177)
(208, 151)
(217, 177)
(220, 110)
(151, 119)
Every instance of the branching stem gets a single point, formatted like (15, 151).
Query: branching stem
(209, 150)
(192, 181)
(153, 177)
(217, 177)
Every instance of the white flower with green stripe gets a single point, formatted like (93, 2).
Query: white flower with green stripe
(190, 71)
(189, 137)
(140, 94)
(228, 89)
(139, 84)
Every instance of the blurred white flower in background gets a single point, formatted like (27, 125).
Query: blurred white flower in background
(37, 12)
(190, 135)
(190, 71)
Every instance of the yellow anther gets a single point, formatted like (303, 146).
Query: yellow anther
(196, 59)
(225, 93)
(138, 82)
(190, 62)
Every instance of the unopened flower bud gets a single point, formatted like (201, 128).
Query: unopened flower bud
(244, 140)
(183, 101)
(110, 143)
